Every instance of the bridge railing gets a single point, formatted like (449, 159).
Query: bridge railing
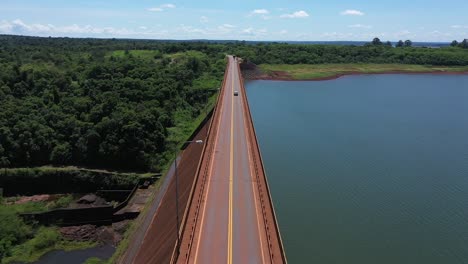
(195, 198)
(265, 196)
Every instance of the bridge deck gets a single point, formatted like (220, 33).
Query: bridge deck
(231, 217)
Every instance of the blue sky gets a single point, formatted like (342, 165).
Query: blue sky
(417, 20)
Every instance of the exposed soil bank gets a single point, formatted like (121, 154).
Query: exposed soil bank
(251, 71)
(108, 235)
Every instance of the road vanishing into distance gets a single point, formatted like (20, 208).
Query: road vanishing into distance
(227, 214)
(231, 218)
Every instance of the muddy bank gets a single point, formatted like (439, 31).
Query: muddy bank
(251, 71)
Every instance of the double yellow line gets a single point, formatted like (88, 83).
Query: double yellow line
(231, 171)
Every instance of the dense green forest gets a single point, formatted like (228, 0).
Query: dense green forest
(99, 103)
(373, 52)
(113, 103)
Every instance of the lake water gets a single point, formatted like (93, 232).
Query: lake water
(367, 169)
(76, 256)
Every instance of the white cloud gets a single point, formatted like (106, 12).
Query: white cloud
(228, 26)
(248, 30)
(168, 6)
(260, 12)
(360, 26)
(252, 32)
(19, 27)
(190, 29)
(282, 32)
(458, 26)
(297, 14)
(263, 13)
(204, 19)
(161, 8)
(352, 12)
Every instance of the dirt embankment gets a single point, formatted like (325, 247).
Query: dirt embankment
(91, 233)
(250, 71)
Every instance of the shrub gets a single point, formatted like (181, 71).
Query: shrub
(12, 231)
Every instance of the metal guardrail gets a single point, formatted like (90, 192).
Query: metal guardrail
(202, 174)
(259, 171)
(209, 149)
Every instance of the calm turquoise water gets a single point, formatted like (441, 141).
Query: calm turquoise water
(367, 169)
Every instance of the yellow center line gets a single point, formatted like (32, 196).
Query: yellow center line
(231, 169)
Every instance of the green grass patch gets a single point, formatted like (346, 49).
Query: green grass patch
(187, 54)
(141, 54)
(184, 127)
(317, 71)
(95, 261)
(206, 81)
(28, 207)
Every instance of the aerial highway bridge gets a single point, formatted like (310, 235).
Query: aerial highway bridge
(225, 214)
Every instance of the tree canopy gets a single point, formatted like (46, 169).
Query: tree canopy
(111, 103)
(98, 103)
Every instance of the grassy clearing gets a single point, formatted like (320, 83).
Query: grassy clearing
(185, 125)
(187, 54)
(34, 207)
(141, 54)
(95, 261)
(317, 71)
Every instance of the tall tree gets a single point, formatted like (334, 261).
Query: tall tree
(464, 44)
(400, 44)
(408, 43)
(61, 154)
(454, 43)
(376, 42)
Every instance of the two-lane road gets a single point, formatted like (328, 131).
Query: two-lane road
(230, 227)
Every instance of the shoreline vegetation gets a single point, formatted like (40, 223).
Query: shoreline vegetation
(321, 72)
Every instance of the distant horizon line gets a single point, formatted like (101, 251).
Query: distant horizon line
(225, 40)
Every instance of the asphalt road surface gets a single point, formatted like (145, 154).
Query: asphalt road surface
(230, 227)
